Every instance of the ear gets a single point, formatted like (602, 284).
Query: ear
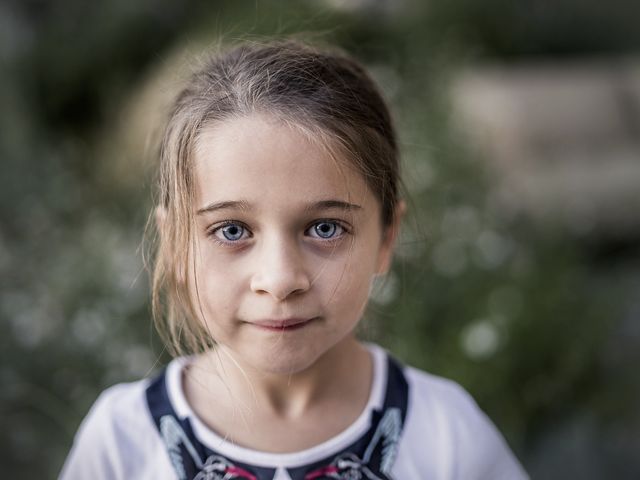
(390, 236)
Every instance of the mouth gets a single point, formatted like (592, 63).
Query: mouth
(284, 325)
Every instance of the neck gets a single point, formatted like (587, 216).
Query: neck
(289, 395)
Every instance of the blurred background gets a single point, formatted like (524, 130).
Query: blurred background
(518, 272)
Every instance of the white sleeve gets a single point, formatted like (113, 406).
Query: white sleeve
(91, 455)
(448, 437)
(118, 440)
(482, 451)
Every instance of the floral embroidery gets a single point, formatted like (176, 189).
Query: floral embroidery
(219, 468)
(348, 466)
(345, 467)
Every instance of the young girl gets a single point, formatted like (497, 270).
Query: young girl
(278, 206)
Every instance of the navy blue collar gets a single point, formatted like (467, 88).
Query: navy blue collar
(370, 457)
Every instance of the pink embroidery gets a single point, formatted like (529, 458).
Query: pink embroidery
(321, 472)
(240, 473)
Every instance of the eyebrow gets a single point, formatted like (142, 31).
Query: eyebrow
(242, 205)
(212, 207)
(333, 204)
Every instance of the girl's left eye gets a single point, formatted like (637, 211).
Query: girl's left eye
(325, 230)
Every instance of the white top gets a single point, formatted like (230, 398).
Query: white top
(445, 436)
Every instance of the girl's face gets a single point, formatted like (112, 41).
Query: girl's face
(287, 244)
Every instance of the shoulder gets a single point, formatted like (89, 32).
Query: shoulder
(116, 438)
(440, 396)
(445, 420)
(119, 410)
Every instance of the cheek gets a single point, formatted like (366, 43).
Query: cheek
(214, 285)
(346, 284)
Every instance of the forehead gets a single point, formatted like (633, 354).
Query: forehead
(260, 158)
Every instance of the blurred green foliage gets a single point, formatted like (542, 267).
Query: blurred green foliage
(540, 326)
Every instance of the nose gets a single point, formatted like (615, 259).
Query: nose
(280, 270)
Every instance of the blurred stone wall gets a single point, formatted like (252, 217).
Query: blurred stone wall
(561, 138)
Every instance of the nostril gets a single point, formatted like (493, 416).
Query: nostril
(280, 284)
(280, 269)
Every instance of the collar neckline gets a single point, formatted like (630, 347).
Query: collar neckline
(216, 442)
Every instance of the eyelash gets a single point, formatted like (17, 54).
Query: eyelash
(345, 230)
(218, 228)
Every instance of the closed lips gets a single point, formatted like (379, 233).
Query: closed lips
(282, 324)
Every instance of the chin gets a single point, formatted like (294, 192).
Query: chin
(285, 362)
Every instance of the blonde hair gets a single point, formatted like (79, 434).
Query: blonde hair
(322, 91)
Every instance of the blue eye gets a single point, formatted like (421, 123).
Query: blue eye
(326, 230)
(231, 232)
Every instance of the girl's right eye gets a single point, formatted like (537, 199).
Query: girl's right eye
(230, 232)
